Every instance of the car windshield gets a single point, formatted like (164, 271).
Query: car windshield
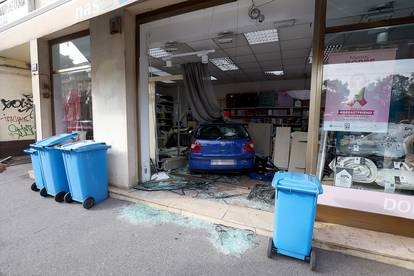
(224, 132)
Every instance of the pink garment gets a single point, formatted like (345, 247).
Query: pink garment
(72, 110)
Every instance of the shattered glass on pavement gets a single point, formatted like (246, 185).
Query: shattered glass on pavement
(215, 188)
(227, 240)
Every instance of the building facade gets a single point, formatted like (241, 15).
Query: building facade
(101, 90)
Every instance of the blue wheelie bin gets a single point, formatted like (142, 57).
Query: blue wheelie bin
(53, 168)
(296, 196)
(37, 169)
(86, 165)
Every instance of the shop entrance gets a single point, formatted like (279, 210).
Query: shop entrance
(226, 97)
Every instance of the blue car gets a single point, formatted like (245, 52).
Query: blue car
(221, 147)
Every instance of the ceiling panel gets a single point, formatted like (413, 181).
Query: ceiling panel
(217, 54)
(271, 67)
(249, 66)
(268, 56)
(238, 51)
(244, 59)
(274, 63)
(295, 32)
(256, 76)
(266, 48)
(206, 44)
(299, 53)
(238, 41)
(294, 69)
(296, 44)
(294, 61)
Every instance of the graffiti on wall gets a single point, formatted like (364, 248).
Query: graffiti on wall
(17, 115)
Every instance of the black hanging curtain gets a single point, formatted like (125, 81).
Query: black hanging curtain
(199, 92)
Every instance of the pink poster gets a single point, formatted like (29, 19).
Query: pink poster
(358, 90)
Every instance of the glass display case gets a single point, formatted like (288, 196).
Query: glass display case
(367, 136)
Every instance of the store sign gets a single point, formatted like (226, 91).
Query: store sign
(358, 90)
(12, 10)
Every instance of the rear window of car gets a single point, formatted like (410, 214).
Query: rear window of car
(224, 132)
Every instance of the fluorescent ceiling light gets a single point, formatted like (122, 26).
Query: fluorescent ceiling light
(259, 37)
(213, 78)
(158, 53)
(69, 49)
(159, 72)
(224, 64)
(275, 73)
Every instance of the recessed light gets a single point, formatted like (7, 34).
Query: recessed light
(224, 64)
(275, 73)
(213, 78)
(259, 37)
(158, 53)
(159, 72)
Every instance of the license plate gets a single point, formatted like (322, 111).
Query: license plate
(223, 162)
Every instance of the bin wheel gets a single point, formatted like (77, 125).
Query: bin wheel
(270, 248)
(34, 187)
(312, 259)
(68, 198)
(88, 203)
(43, 192)
(59, 196)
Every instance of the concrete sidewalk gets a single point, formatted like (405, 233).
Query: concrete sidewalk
(41, 237)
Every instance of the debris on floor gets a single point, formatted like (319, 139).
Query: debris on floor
(222, 178)
(174, 184)
(227, 240)
(266, 177)
(159, 176)
(263, 192)
(206, 187)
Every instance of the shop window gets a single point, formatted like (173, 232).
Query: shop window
(368, 118)
(340, 12)
(72, 96)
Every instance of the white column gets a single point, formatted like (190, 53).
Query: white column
(41, 86)
(114, 100)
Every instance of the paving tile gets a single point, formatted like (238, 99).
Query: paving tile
(250, 217)
(365, 240)
(200, 207)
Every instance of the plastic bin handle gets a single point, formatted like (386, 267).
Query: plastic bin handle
(304, 191)
(29, 151)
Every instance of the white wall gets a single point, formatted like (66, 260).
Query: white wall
(114, 95)
(16, 105)
(42, 95)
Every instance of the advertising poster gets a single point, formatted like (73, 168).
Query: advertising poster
(358, 90)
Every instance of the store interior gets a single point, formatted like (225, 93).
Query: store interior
(258, 55)
(258, 59)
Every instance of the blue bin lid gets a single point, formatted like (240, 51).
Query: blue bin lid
(55, 140)
(298, 182)
(87, 145)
